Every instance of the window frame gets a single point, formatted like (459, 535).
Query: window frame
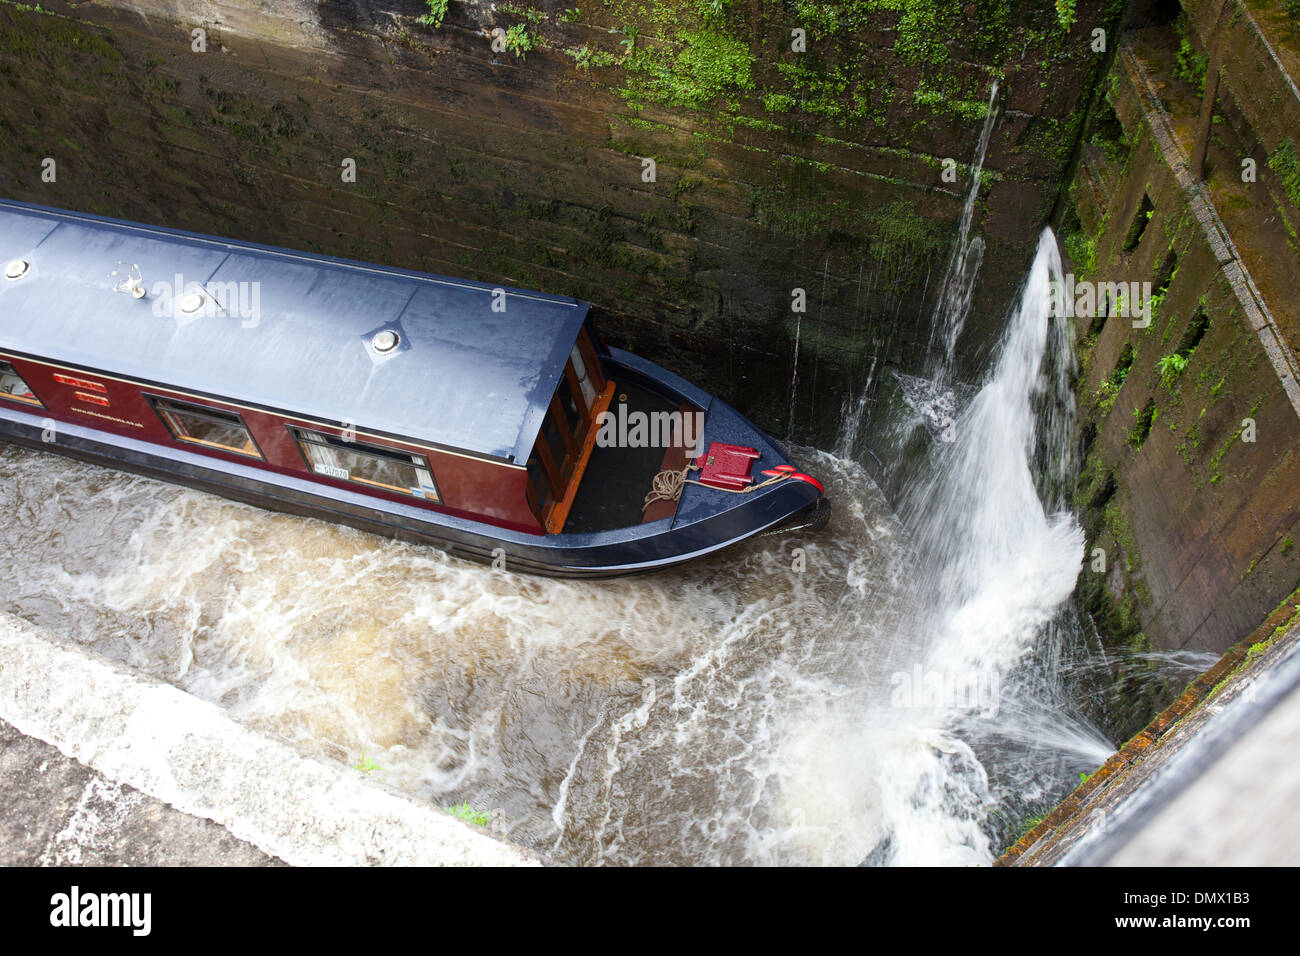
(214, 413)
(403, 455)
(34, 401)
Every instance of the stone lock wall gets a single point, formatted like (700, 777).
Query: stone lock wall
(1191, 484)
(775, 170)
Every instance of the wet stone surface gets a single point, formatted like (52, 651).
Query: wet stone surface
(58, 812)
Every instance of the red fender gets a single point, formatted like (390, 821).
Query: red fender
(800, 476)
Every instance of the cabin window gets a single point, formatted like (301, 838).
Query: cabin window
(12, 386)
(580, 371)
(387, 468)
(573, 414)
(207, 426)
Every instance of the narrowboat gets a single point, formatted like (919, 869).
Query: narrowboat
(489, 422)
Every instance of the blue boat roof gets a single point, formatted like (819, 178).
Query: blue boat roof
(465, 375)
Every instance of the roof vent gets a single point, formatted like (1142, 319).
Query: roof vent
(191, 302)
(385, 341)
(17, 268)
(132, 284)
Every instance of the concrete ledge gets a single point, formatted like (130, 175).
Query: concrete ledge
(58, 812)
(189, 754)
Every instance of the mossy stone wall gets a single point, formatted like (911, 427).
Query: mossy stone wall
(1190, 488)
(775, 169)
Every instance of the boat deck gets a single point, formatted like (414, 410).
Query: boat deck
(618, 479)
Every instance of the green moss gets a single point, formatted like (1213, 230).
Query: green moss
(518, 40)
(437, 13)
(1291, 603)
(1259, 648)
(1106, 396)
(1145, 418)
(1066, 13)
(1170, 367)
(1284, 162)
(1117, 615)
(899, 234)
(480, 818)
(1082, 249)
(534, 17)
(1117, 524)
(1190, 65)
(1095, 485)
(707, 64)
(778, 102)
(933, 99)
(1026, 827)
(1215, 474)
(586, 58)
(1122, 367)
(919, 34)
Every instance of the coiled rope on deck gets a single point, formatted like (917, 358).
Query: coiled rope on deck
(668, 485)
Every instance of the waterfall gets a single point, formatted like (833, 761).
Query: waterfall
(996, 560)
(978, 516)
(961, 722)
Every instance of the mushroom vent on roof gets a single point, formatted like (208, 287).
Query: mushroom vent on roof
(191, 302)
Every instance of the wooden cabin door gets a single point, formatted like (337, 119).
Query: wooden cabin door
(568, 433)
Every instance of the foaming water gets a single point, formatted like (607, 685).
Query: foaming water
(997, 558)
(889, 691)
(966, 719)
(662, 718)
(754, 707)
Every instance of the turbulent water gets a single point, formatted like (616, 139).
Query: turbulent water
(885, 692)
(900, 689)
(999, 554)
(646, 719)
(737, 710)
